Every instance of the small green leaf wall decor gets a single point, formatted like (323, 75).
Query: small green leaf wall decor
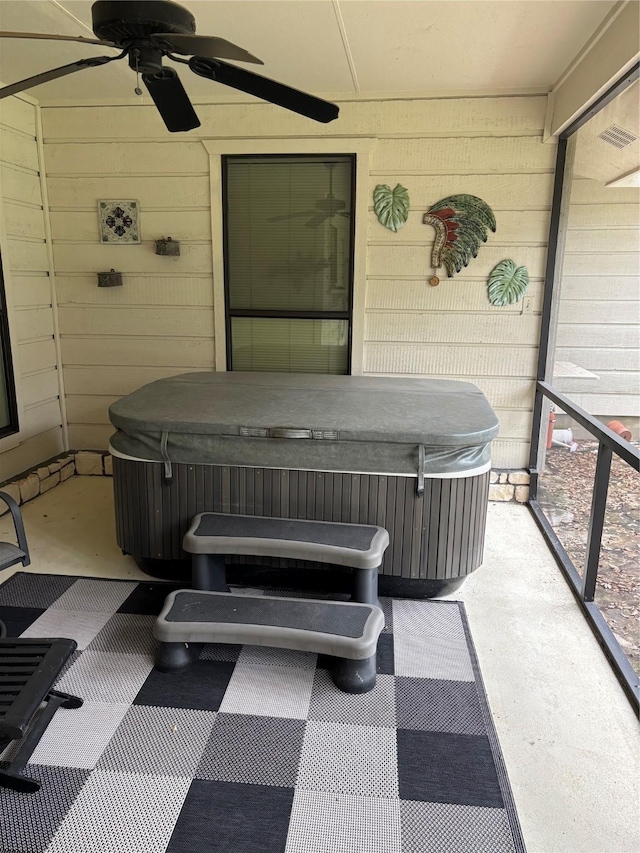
(391, 206)
(507, 283)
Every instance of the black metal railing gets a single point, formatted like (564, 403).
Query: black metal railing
(583, 587)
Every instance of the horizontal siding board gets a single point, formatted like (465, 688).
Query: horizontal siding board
(446, 328)
(397, 260)
(137, 321)
(603, 240)
(457, 156)
(40, 418)
(33, 323)
(600, 359)
(599, 288)
(514, 227)
(450, 360)
(92, 409)
(22, 221)
(604, 216)
(27, 255)
(178, 224)
(501, 192)
(587, 191)
(174, 157)
(167, 192)
(31, 290)
(20, 186)
(16, 150)
(36, 355)
(602, 312)
(510, 454)
(31, 452)
(604, 264)
(18, 114)
(615, 405)
(451, 296)
(143, 352)
(598, 337)
(456, 116)
(39, 387)
(136, 290)
(113, 381)
(89, 436)
(80, 257)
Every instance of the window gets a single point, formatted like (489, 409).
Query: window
(8, 407)
(288, 229)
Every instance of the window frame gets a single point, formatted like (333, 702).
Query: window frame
(230, 313)
(13, 426)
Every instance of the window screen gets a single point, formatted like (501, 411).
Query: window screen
(288, 262)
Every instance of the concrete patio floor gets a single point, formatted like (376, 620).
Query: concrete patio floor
(568, 734)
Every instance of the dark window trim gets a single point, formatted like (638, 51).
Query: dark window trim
(609, 443)
(7, 358)
(229, 312)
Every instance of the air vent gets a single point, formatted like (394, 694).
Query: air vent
(617, 136)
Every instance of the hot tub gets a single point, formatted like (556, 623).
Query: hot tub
(411, 455)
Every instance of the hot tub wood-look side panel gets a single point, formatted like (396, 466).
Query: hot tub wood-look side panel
(437, 536)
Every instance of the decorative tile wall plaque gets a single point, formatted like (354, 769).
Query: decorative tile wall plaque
(119, 221)
(507, 283)
(391, 206)
(461, 223)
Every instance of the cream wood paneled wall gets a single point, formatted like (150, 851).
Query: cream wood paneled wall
(161, 321)
(30, 293)
(599, 316)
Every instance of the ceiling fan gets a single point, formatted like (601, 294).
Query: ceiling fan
(145, 31)
(325, 208)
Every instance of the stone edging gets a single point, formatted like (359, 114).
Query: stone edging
(504, 485)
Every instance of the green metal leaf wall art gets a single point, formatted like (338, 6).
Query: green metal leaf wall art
(507, 283)
(391, 206)
(461, 223)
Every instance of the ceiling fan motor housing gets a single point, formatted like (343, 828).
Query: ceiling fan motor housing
(121, 21)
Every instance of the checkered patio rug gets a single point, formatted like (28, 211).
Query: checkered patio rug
(254, 750)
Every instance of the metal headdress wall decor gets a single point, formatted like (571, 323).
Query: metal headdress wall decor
(461, 223)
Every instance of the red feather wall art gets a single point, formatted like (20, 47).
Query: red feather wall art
(461, 223)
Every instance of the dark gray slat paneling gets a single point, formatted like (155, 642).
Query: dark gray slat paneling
(259, 491)
(363, 501)
(443, 528)
(313, 490)
(484, 504)
(327, 494)
(140, 492)
(354, 503)
(234, 489)
(225, 485)
(293, 494)
(285, 494)
(434, 526)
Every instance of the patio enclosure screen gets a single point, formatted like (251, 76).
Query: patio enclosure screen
(585, 483)
(288, 229)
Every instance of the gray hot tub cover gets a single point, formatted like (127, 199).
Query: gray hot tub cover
(308, 421)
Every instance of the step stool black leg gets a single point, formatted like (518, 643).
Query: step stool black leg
(172, 656)
(365, 586)
(209, 572)
(355, 676)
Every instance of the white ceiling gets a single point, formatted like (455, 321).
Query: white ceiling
(345, 47)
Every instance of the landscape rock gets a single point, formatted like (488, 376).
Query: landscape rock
(108, 465)
(503, 478)
(50, 482)
(493, 477)
(501, 492)
(522, 494)
(29, 487)
(88, 463)
(67, 471)
(43, 472)
(13, 490)
(519, 478)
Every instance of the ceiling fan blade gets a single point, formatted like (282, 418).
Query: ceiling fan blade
(53, 37)
(171, 100)
(263, 87)
(207, 46)
(54, 73)
(318, 219)
(344, 213)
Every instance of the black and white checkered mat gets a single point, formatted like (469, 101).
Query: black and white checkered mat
(254, 750)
